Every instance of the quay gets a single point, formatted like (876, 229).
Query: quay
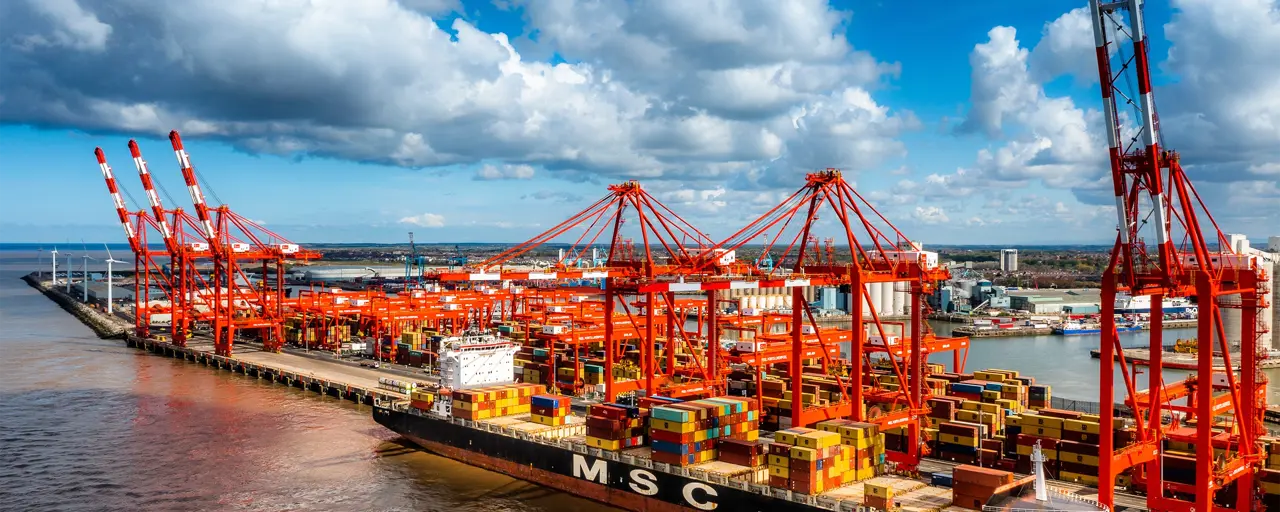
(1179, 361)
(319, 372)
(973, 332)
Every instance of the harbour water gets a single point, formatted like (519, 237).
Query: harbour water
(88, 424)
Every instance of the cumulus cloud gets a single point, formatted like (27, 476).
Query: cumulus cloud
(426, 220)
(930, 215)
(651, 90)
(504, 172)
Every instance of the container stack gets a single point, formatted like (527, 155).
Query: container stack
(741, 452)
(422, 400)
(1047, 427)
(686, 433)
(494, 401)
(615, 427)
(973, 486)
(809, 461)
(878, 496)
(958, 441)
(1078, 450)
(1038, 397)
(549, 410)
(868, 443)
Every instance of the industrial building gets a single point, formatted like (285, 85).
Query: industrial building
(330, 273)
(1072, 301)
(1009, 260)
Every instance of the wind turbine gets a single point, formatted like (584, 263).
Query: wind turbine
(68, 273)
(53, 274)
(84, 274)
(110, 260)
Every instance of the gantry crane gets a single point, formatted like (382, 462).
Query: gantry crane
(233, 239)
(183, 256)
(147, 272)
(651, 273)
(879, 253)
(1154, 197)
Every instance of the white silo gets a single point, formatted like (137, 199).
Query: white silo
(867, 300)
(886, 298)
(775, 301)
(899, 299)
(787, 301)
(742, 303)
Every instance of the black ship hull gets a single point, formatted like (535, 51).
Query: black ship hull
(614, 482)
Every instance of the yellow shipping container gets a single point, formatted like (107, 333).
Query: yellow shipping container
(818, 439)
(604, 444)
(780, 471)
(779, 460)
(672, 426)
(1036, 420)
(1081, 426)
(1048, 454)
(804, 453)
(879, 491)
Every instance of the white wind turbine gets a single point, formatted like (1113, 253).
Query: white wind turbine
(110, 287)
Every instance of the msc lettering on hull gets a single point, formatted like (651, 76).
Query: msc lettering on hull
(641, 481)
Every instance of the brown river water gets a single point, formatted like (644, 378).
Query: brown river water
(88, 424)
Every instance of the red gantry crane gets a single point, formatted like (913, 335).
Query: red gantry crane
(148, 273)
(879, 253)
(189, 286)
(652, 272)
(232, 240)
(1154, 198)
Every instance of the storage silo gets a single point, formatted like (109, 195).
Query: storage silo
(867, 303)
(788, 302)
(900, 300)
(886, 298)
(742, 303)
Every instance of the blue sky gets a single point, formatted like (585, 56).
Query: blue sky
(344, 126)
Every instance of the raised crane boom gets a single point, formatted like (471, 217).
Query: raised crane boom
(121, 210)
(193, 186)
(157, 208)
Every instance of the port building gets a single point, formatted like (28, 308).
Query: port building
(1078, 301)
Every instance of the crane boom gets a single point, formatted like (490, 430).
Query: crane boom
(193, 186)
(121, 210)
(157, 208)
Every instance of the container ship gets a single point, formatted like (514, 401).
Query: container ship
(655, 453)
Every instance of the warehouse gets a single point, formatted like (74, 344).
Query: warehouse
(1047, 301)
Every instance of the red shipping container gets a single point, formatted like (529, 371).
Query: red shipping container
(610, 412)
(602, 422)
(981, 476)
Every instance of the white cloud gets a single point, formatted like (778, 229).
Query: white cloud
(504, 172)
(756, 90)
(930, 215)
(426, 220)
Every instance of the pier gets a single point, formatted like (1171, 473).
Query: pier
(319, 372)
(1179, 361)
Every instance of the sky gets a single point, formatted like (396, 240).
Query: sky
(491, 121)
